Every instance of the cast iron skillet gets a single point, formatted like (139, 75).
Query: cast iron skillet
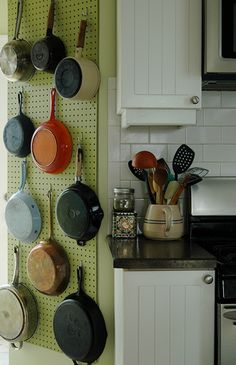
(78, 210)
(46, 53)
(79, 326)
(18, 132)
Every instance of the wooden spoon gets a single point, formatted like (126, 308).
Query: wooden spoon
(160, 178)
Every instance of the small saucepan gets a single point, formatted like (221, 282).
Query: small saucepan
(51, 143)
(18, 132)
(48, 267)
(78, 210)
(22, 214)
(46, 53)
(18, 310)
(79, 326)
(77, 77)
(15, 60)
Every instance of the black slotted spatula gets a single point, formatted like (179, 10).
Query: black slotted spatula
(182, 160)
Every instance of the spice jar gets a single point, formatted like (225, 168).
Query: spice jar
(123, 200)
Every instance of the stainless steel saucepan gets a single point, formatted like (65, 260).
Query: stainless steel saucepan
(15, 60)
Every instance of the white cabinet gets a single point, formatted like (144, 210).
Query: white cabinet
(164, 317)
(158, 61)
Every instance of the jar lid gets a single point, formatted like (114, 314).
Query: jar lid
(124, 190)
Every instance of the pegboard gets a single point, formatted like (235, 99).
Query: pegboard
(80, 117)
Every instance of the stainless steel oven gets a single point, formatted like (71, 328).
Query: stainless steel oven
(212, 224)
(219, 44)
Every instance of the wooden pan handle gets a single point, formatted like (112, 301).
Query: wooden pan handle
(81, 37)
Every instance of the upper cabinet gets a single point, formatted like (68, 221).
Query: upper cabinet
(158, 61)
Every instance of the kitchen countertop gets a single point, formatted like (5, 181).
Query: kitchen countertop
(142, 253)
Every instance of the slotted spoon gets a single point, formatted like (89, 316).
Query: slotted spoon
(182, 160)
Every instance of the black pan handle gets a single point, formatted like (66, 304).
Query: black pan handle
(79, 161)
(50, 18)
(79, 277)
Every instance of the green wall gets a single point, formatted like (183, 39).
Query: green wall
(35, 354)
(3, 15)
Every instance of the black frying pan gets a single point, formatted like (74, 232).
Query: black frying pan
(78, 210)
(18, 132)
(46, 53)
(79, 326)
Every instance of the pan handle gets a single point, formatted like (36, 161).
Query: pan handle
(79, 277)
(23, 175)
(18, 18)
(53, 97)
(15, 280)
(81, 38)
(79, 160)
(17, 346)
(50, 18)
(75, 362)
(49, 194)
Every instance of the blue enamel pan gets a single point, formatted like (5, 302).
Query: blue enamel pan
(22, 214)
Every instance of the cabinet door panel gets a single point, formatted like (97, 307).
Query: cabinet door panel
(167, 318)
(159, 53)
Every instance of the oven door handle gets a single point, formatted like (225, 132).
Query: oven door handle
(230, 315)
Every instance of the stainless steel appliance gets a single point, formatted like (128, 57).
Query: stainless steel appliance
(219, 45)
(212, 224)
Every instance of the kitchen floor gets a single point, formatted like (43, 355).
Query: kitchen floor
(4, 348)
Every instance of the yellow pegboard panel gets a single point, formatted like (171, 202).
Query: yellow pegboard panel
(80, 117)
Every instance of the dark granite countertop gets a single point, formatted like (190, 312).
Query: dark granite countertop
(141, 253)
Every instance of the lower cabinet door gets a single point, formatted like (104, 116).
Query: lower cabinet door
(164, 317)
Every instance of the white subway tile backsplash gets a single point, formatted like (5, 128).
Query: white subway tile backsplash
(228, 168)
(203, 135)
(229, 135)
(219, 153)
(200, 117)
(125, 154)
(167, 134)
(135, 135)
(125, 173)
(139, 188)
(114, 144)
(229, 99)
(211, 99)
(220, 117)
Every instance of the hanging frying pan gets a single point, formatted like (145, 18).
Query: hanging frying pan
(46, 53)
(77, 77)
(78, 210)
(48, 267)
(79, 326)
(15, 61)
(18, 310)
(22, 214)
(51, 143)
(18, 132)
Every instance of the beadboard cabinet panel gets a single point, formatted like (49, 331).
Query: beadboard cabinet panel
(159, 55)
(164, 317)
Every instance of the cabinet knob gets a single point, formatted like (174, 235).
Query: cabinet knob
(208, 279)
(195, 99)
